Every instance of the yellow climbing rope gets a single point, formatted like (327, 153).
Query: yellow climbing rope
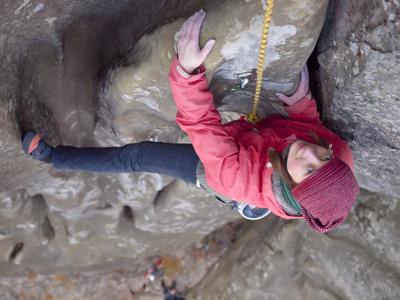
(254, 117)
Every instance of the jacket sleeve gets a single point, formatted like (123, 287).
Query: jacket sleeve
(225, 165)
(304, 110)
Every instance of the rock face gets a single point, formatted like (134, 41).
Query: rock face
(358, 66)
(285, 260)
(359, 75)
(94, 73)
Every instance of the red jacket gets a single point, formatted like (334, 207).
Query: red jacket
(235, 154)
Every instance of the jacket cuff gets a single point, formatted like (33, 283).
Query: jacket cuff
(299, 106)
(176, 67)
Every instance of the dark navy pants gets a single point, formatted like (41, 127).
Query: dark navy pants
(175, 160)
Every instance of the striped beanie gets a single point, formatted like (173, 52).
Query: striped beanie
(327, 196)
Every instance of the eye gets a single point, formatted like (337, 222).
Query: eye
(309, 171)
(326, 158)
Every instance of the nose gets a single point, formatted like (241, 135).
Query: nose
(310, 153)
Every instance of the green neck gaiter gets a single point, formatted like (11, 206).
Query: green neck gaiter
(291, 200)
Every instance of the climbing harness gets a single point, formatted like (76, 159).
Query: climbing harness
(253, 117)
(247, 211)
(250, 212)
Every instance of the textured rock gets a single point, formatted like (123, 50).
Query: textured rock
(358, 54)
(277, 259)
(267, 259)
(23, 218)
(359, 71)
(95, 73)
(143, 86)
(188, 265)
(55, 58)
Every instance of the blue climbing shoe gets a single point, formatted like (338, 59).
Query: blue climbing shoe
(36, 148)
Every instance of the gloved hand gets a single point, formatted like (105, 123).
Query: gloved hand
(190, 55)
(302, 89)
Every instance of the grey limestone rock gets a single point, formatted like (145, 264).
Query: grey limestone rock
(94, 73)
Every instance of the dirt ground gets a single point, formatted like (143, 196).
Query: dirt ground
(187, 266)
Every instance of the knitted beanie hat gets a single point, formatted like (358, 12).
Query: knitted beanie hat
(327, 196)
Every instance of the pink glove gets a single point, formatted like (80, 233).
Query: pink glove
(190, 55)
(302, 90)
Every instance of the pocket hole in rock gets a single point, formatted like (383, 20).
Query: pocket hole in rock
(17, 249)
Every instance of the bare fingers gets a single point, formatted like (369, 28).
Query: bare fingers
(194, 22)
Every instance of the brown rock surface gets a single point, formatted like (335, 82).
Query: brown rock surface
(95, 73)
(98, 77)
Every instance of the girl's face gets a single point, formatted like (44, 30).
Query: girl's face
(305, 158)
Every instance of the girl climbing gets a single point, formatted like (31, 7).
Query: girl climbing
(295, 167)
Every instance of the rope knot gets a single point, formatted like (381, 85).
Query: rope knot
(253, 118)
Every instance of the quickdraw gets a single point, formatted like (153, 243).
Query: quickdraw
(245, 78)
(242, 85)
